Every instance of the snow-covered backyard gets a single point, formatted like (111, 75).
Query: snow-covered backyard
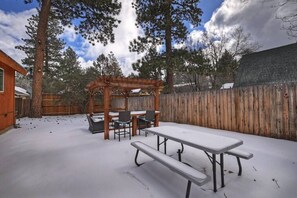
(58, 157)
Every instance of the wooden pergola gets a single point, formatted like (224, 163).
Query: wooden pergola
(110, 85)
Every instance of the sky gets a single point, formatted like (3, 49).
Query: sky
(258, 18)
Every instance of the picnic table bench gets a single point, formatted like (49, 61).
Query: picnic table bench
(191, 174)
(239, 154)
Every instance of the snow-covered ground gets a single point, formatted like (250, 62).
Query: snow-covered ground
(58, 157)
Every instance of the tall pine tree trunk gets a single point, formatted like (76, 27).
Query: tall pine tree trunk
(36, 110)
(168, 44)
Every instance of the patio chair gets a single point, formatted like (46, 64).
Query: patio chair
(146, 121)
(96, 125)
(123, 122)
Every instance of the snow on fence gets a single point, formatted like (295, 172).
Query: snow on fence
(266, 110)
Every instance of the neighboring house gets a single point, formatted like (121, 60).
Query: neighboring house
(227, 86)
(21, 93)
(8, 67)
(277, 65)
(22, 102)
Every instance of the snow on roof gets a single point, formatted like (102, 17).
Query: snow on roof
(20, 91)
(227, 86)
(135, 90)
(183, 84)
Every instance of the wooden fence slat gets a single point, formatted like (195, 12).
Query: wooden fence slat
(267, 110)
(292, 113)
(241, 108)
(278, 104)
(261, 112)
(256, 111)
(224, 111)
(219, 120)
(273, 111)
(294, 137)
(214, 112)
(209, 110)
(233, 117)
(250, 110)
(229, 109)
(285, 117)
(201, 105)
(237, 108)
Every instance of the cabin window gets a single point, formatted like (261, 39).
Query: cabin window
(1, 80)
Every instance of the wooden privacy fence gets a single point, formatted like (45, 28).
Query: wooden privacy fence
(52, 104)
(22, 106)
(267, 110)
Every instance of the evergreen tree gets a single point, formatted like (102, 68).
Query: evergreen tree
(69, 70)
(150, 66)
(164, 22)
(227, 66)
(53, 49)
(71, 83)
(96, 23)
(107, 65)
(195, 70)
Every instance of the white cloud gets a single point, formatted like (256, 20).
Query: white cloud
(84, 64)
(195, 36)
(256, 17)
(12, 30)
(125, 33)
(69, 34)
(179, 45)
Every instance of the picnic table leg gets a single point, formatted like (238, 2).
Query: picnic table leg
(188, 189)
(135, 159)
(165, 140)
(158, 142)
(157, 118)
(222, 169)
(214, 172)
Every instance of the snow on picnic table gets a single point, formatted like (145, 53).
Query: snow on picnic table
(59, 157)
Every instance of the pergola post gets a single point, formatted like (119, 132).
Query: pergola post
(157, 115)
(106, 111)
(91, 103)
(126, 95)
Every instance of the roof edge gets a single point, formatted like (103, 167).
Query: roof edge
(7, 60)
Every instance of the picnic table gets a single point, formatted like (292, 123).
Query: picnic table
(209, 143)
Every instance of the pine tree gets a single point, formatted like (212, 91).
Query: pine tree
(107, 65)
(195, 69)
(164, 23)
(150, 66)
(227, 66)
(71, 83)
(96, 23)
(53, 48)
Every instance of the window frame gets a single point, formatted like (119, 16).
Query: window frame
(2, 79)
